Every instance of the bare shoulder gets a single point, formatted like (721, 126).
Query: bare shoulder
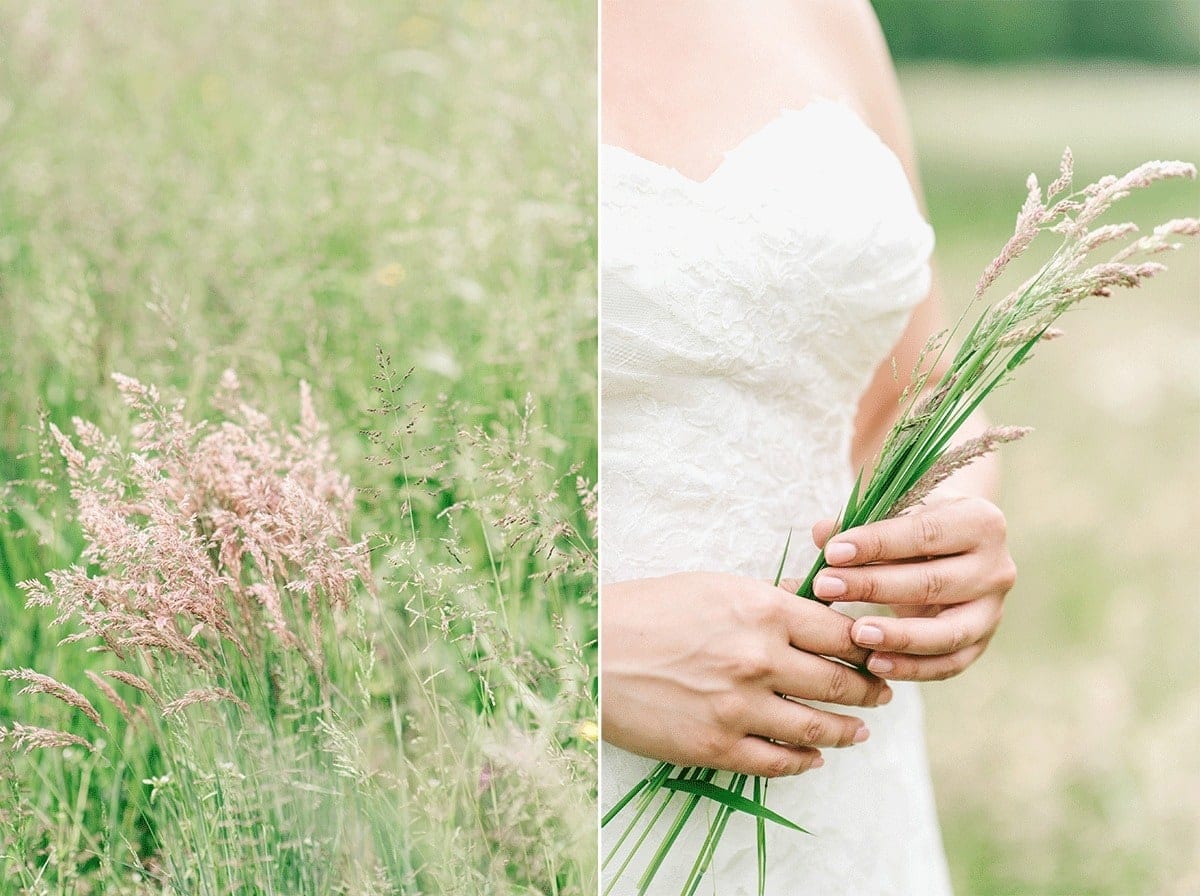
(850, 14)
(850, 29)
(851, 26)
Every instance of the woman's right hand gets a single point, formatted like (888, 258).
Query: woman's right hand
(694, 666)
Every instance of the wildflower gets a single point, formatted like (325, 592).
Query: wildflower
(486, 774)
(157, 784)
(588, 730)
(390, 275)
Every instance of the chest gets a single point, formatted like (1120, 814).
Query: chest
(683, 89)
(805, 242)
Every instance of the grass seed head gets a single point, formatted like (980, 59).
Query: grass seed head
(27, 738)
(37, 683)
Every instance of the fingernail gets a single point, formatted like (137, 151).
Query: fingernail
(862, 734)
(868, 635)
(840, 552)
(829, 586)
(818, 762)
(880, 665)
(884, 697)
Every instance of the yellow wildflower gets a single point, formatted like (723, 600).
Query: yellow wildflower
(390, 275)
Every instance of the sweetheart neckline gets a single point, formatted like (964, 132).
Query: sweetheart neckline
(727, 156)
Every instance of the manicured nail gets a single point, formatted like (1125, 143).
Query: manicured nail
(829, 586)
(818, 762)
(880, 665)
(884, 697)
(840, 552)
(862, 734)
(868, 635)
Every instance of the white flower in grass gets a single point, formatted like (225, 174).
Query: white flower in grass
(157, 785)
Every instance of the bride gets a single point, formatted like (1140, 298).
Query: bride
(765, 269)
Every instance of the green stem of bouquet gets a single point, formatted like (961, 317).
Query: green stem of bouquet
(977, 369)
(650, 787)
(715, 830)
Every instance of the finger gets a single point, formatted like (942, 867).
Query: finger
(902, 667)
(945, 580)
(755, 756)
(821, 531)
(951, 630)
(810, 625)
(809, 677)
(814, 628)
(790, 722)
(791, 586)
(948, 528)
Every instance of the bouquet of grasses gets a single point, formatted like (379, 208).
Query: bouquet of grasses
(919, 453)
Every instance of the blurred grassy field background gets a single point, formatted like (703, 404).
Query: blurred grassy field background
(1065, 761)
(281, 189)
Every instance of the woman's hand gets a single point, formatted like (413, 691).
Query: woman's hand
(943, 568)
(693, 666)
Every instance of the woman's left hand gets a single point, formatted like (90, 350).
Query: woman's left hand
(944, 568)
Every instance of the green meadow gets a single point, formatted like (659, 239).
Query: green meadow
(394, 203)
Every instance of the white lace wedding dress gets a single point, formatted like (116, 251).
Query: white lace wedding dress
(741, 319)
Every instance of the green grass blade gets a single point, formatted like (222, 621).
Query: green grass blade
(703, 777)
(782, 560)
(733, 801)
(624, 801)
(852, 501)
(1015, 361)
(715, 831)
(760, 797)
(653, 786)
(637, 844)
(844, 521)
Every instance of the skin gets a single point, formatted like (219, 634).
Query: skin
(706, 691)
(939, 573)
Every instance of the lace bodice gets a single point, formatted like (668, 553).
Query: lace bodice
(741, 319)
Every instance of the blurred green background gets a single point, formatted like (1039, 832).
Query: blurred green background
(1011, 31)
(1065, 761)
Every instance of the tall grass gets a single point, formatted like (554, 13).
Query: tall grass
(334, 195)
